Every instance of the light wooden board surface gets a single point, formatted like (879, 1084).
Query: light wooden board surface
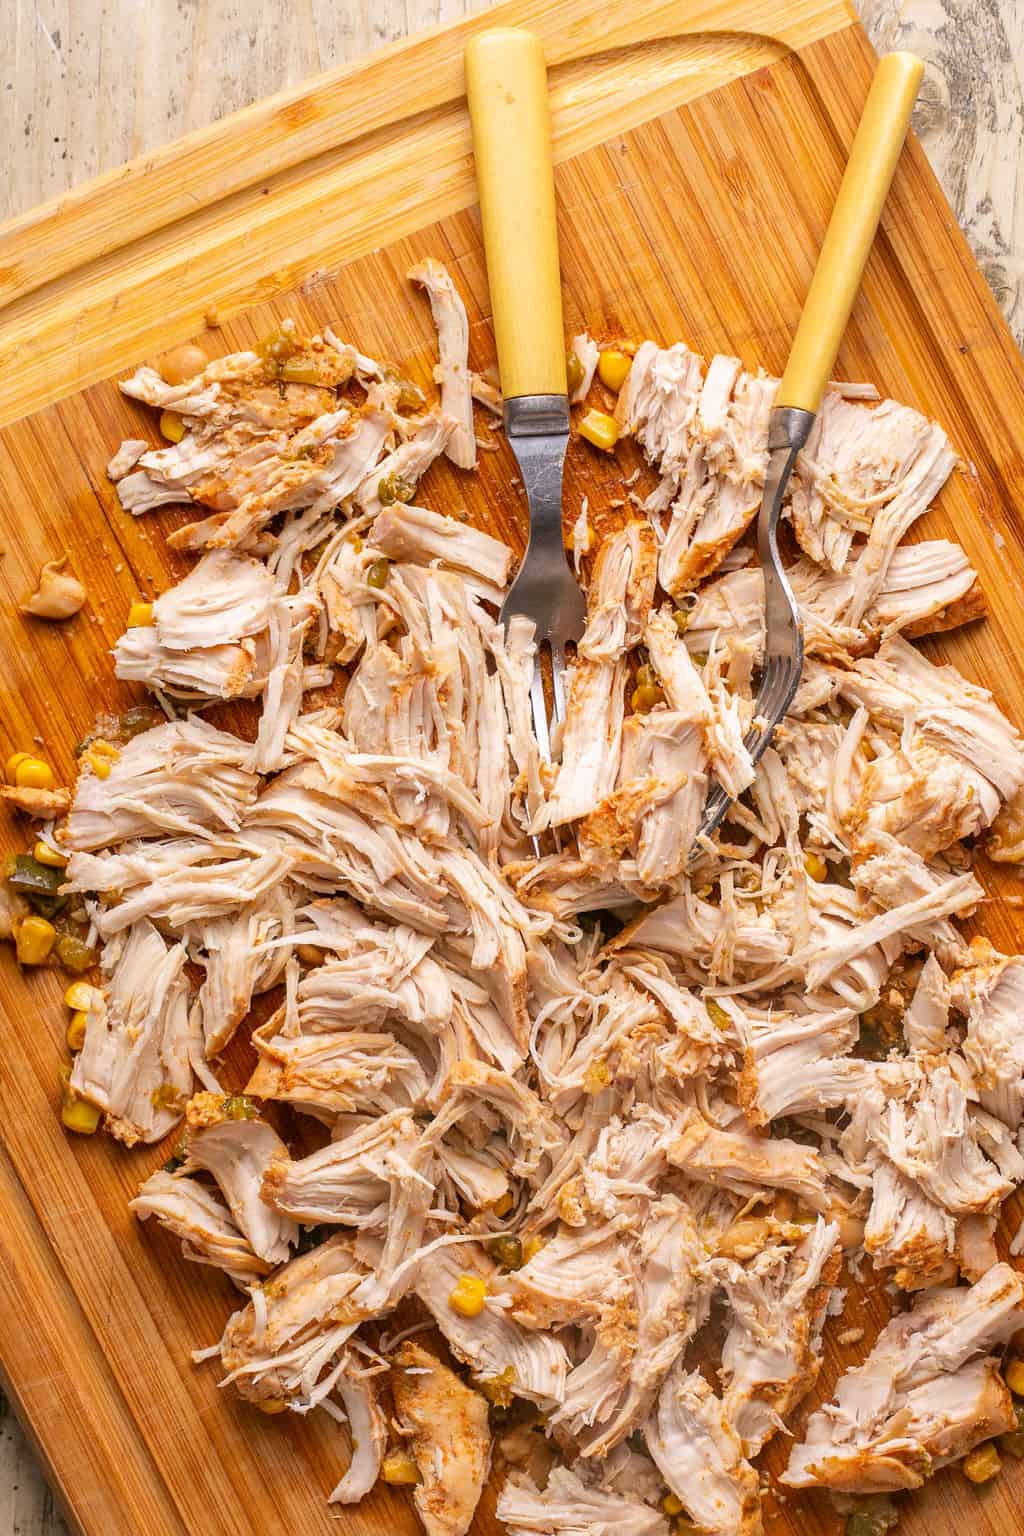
(113, 80)
(87, 84)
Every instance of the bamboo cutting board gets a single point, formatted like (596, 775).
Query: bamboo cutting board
(699, 150)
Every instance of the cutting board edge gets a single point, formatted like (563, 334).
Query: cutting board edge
(61, 277)
(1002, 341)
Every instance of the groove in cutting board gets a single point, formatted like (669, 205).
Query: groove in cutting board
(700, 223)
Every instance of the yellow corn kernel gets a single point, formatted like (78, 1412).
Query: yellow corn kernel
(600, 429)
(101, 757)
(613, 368)
(167, 1097)
(399, 1469)
(596, 1076)
(531, 1247)
(983, 1464)
(76, 1029)
(467, 1299)
(11, 766)
(573, 372)
(34, 940)
(503, 1204)
(498, 1389)
(816, 867)
(44, 854)
(77, 1114)
(81, 994)
(140, 616)
(171, 426)
(643, 699)
(682, 1525)
(672, 1504)
(272, 1405)
(1015, 1377)
(33, 773)
(717, 1014)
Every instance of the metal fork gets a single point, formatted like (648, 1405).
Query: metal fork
(788, 431)
(506, 85)
(545, 589)
(844, 252)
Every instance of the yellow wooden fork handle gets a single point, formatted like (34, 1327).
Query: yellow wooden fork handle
(865, 185)
(506, 85)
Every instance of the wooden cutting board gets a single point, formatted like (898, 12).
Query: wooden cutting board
(699, 149)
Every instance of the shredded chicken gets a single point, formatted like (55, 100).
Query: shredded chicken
(512, 1050)
(449, 1437)
(929, 1391)
(453, 373)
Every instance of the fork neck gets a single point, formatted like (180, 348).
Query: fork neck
(536, 415)
(789, 427)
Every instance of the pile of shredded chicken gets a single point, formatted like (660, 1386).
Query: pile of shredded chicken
(561, 1107)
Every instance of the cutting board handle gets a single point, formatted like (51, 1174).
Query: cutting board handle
(507, 90)
(851, 231)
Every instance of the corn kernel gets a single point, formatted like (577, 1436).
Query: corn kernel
(34, 940)
(672, 1504)
(399, 1469)
(272, 1405)
(468, 1296)
(171, 426)
(643, 699)
(600, 429)
(613, 368)
(816, 867)
(140, 616)
(498, 1389)
(101, 757)
(717, 1014)
(76, 1029)
(983, 1464)
(503, 1204)
(11, 766)
(596, 1076)
(44, 854)
(1015, 1377)
(81, 995)
(531, 1247)
(33, 773)
(77, 1114)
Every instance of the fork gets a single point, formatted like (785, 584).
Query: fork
(506, 86)
(844, 252)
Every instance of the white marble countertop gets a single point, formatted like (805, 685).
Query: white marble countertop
(87, 84)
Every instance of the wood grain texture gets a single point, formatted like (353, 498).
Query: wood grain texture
(87, 84)
(139, 1439)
